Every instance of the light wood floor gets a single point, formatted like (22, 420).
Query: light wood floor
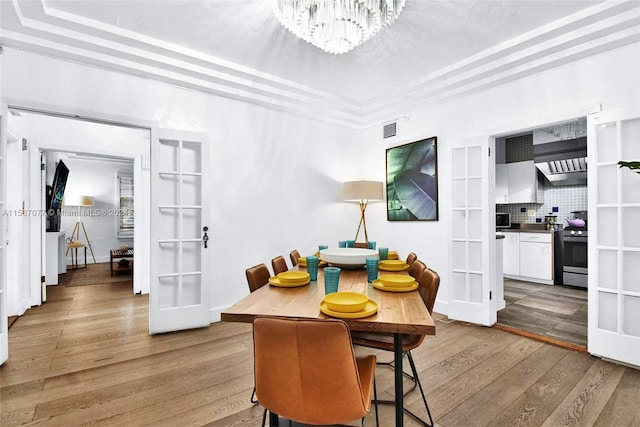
(85, 358)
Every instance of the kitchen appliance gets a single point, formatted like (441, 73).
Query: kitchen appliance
(574, 253)
(562, 162)
(503, 220)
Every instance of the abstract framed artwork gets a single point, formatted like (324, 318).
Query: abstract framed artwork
(412, 181)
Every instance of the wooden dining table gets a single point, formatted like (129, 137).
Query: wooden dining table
(398, 313)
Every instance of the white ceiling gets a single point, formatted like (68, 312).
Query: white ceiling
(236, 48)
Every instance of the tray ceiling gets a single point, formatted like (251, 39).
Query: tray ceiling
(236, 48)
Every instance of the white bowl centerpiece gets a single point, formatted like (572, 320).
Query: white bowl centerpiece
(349, 258)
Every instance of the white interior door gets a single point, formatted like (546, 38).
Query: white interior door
(4, 326)
(614, 237)
(180, 278)
(472, 235)
(34, 224)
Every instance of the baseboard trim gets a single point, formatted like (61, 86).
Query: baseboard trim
(542, 338)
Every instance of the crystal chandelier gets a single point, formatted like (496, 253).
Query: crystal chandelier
(336, 26)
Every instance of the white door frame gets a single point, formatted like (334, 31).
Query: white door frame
(526, 125)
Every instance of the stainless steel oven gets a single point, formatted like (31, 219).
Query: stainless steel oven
(574, 254)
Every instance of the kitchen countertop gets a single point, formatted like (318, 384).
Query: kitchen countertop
(528, 228)
(522, 230)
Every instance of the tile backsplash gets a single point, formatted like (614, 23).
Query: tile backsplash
(566, 199)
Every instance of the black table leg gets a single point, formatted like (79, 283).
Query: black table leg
(397, 359)
(273, 419)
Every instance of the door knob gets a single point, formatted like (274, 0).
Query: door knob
(205, 238)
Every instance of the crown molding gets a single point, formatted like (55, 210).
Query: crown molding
(42, 29)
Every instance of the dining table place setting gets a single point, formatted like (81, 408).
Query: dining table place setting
(290, 279)
(348, 305)
(393, 265)
(395, 283)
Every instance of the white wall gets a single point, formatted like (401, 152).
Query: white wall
(276, 177)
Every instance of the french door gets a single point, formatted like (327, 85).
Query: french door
(472, 237)
(180, 291)
(614, 236)
(4, 326)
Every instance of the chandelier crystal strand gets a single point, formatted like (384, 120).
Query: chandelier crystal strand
(336, 26)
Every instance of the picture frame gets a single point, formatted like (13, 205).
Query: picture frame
(412, 181)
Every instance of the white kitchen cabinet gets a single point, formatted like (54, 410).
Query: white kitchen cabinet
(511, 254)
(528, 256)
(502, 184)
(518, 183)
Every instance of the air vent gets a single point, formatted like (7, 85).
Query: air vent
(389, 130)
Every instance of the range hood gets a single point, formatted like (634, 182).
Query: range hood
(562, 162)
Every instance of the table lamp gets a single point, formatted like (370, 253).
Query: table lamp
(80, 202)
(362, 192)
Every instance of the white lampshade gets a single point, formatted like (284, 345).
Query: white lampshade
(355, 191)
(77, 200)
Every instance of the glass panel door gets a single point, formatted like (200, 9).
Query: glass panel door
(614, 242)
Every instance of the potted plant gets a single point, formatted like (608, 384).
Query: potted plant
(634, 166)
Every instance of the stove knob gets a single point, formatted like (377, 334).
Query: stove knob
(573, 232)
(579, 232)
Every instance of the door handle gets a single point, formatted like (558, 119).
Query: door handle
(205, 238)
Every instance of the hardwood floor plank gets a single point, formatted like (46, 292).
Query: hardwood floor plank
(130, 395)
(617, 411)
(533, 406)
(481, 408)
(585, 402)
(564, 307)
(450, 395)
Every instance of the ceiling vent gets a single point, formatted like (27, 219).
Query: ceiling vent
(389, 130)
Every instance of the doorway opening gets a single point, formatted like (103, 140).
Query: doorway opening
(99, 153)
(541, 181)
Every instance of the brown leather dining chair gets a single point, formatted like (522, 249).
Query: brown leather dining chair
(306, 371)
(257, 276)
(295, 256)
(416, 269)
(428, 285)
(279, 265)
(411, 258)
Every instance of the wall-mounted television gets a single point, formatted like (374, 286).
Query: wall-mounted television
(55, 194)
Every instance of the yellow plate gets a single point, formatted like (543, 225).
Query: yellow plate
(393, 262)
(293, 276)
(392, 255)
(393, 268)
(276, 282)
(379, 285)
(369, 309)
(396, 280)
